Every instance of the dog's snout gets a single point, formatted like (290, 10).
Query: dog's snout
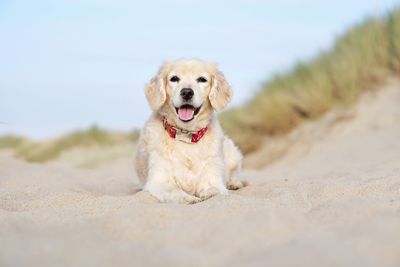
(187, 93)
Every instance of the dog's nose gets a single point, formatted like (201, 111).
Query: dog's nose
(187, 93)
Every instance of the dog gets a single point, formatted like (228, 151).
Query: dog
(183, 156)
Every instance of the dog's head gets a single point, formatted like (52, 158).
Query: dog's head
(187, 91)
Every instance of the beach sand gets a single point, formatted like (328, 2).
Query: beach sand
(332, 199)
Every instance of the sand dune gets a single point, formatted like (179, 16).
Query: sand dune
(332, 199)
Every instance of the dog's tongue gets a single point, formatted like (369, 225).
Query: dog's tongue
(185, 113)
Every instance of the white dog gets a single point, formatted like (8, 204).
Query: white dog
(183, 155)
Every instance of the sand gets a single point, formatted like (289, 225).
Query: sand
(332, 199)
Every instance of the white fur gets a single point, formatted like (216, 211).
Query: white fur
(175, 171)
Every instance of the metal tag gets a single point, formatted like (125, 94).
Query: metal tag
(184, 137)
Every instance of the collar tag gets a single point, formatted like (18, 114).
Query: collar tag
(184, 137)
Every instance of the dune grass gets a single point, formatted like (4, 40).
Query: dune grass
(43, 151)
(360, 60)
(11, 141)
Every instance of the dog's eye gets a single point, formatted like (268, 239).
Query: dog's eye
(201, 80)
(174, 79)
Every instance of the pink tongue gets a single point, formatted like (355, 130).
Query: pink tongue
(185, 114)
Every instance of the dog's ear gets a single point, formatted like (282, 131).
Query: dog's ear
(220, 93)
(155, 90)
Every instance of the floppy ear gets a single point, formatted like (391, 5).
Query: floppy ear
(155, 91)
(220, 93)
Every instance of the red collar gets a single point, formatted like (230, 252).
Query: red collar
(183, 135)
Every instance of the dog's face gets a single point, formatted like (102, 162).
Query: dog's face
(187, 90)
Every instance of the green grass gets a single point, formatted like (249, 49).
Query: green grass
(47, 150)
(11, 141)
(361, 60)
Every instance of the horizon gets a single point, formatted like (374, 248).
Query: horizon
(70, 66)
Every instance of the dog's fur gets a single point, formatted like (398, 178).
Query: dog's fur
(175, 171)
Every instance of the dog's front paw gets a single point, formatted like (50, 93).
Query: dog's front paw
(177, 196)
(210, 192)
(235, 185)
(189, 199)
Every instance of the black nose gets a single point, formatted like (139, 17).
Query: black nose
(187, 93)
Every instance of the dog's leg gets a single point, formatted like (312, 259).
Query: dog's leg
(140, 161)
(161, 184)
(233, 162)
(212, 182)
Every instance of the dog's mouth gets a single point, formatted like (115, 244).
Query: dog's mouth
(187, 112)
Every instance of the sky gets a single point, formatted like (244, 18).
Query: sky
(69, 64)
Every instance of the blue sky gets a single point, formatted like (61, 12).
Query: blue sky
(66, 65)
